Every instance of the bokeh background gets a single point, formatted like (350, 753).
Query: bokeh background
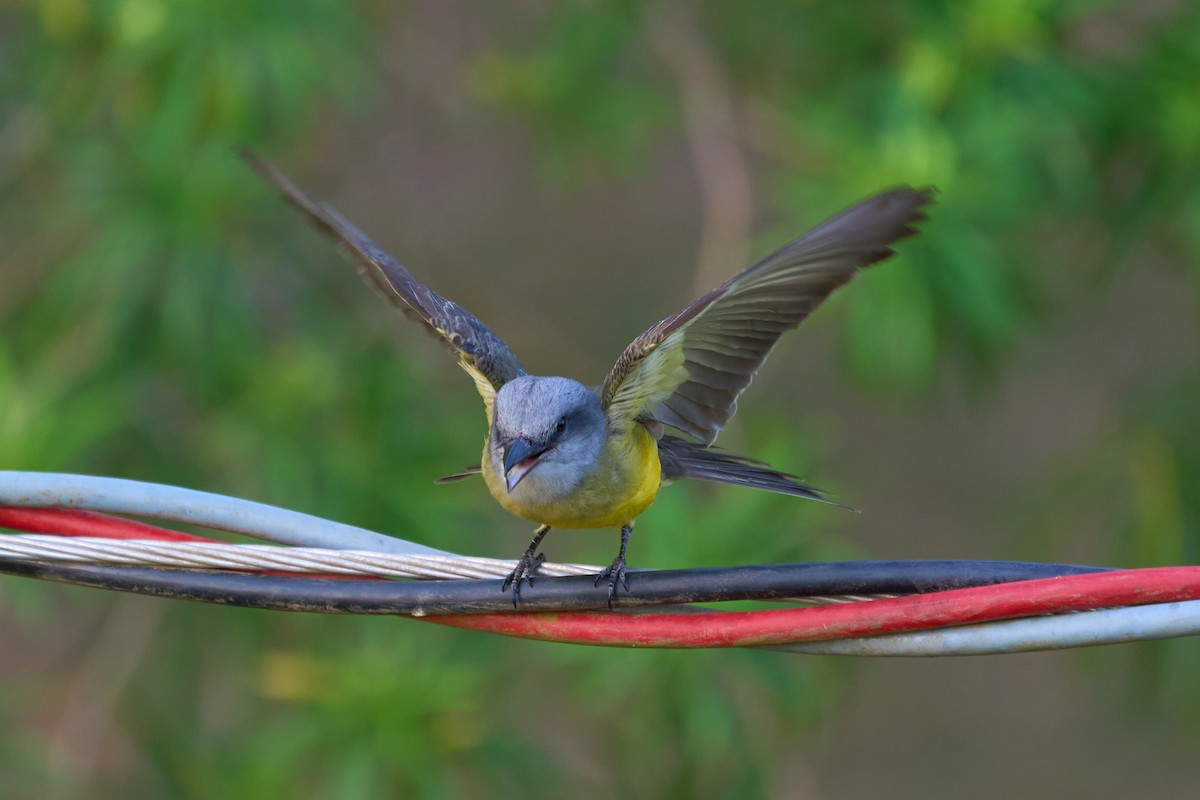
(1022, 382)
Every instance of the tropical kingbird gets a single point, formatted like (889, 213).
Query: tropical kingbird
(565, 455)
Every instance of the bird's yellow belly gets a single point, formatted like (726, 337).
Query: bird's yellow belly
(626, 479)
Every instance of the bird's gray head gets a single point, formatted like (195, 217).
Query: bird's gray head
(552, 425)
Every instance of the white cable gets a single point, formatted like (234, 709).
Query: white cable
(1054, 632)
(260, 557)
(220, 555)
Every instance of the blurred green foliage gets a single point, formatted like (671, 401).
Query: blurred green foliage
(163, 318)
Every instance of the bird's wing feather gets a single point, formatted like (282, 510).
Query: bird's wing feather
(482, 353)
(689, 370)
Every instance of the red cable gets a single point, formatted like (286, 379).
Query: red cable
(73, 522)
(791, 625)
(743, 628)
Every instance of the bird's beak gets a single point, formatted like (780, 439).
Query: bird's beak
(519, 458)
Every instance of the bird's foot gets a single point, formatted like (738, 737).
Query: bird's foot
(527, 565)
(615, 574)
(526, 568)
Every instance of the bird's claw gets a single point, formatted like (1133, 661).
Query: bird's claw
(527, 566)
(615, 573)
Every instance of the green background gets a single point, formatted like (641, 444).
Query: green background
(1022, 382)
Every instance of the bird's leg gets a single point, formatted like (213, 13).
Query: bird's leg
(615, 572)
(526, 565)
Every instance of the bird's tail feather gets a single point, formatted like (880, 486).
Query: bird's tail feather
(683, 459)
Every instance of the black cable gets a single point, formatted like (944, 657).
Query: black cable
(646, 587)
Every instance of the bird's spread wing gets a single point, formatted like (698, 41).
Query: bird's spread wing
(482, 353)
(688, 370)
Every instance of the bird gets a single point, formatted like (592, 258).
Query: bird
(563, 454)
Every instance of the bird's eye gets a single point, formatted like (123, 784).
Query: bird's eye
(561, 426)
